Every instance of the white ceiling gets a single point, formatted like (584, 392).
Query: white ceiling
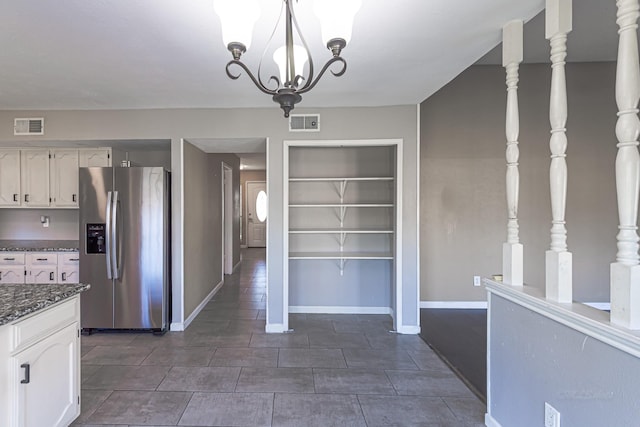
(109, 54)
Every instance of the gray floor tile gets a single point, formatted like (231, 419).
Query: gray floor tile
(246, 357)
(329, 340)
(126, 378)
(141, 407)
(317, 410)
(406, 411)
(280, 340)
(231, 313)
(241, 326)
(468, 409)
(180, 356)
(378, 359)
(116, 355)
(428, 360)
(168, 340)
(108, 338)
(229, 409)
(84, 349)
(352, 381)
(217, 341)
(90, 400)
(356, 326)
(285, 380)
(428, 383)
(200, 379)
(305, 326)
(311, 358)
(393, 340)
(86, 371)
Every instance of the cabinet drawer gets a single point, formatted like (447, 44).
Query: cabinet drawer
(12, 258)
(68, 258)
(43, 323)
(42, 258)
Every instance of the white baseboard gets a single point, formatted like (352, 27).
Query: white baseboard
(599, 305)
(200, 306)
(409, 330)
(176, 327)
(489, 421)
(235, 267)
(275, 328)
(453, 304)
(317, 309)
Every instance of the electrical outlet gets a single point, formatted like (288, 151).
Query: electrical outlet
(551, 416)
(477, 281)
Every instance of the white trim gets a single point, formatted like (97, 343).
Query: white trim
(398, 318)
(285, 241)
(418, 214)
(599, 305)
(339, 309)
(409, 330)
(275, 328)
(489, 421)
(453, 304)
(201, 306)
(587, 320)
(177, 245)
(488, 361)
(269, 327)
(235, 267)
(227, 220)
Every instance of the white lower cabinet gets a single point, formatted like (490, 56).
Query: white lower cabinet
(12, 274)
(42, 267)
(40, 368)
(45, 381)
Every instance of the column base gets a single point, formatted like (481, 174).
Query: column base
(625, 295)
(512, 264)
(559, 276)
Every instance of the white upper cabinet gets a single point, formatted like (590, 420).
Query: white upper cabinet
(34, 177)
(98, 157)
(64, 177)
(10, 177)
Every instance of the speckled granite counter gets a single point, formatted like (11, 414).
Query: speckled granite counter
(38, 245)
(17, 301)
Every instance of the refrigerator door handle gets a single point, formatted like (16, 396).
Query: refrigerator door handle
(108, 236)
(114, 238)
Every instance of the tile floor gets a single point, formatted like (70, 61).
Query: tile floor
(333, 370)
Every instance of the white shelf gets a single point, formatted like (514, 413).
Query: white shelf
(340, 231)
(341, 205)
(337, 179)
(340, 255)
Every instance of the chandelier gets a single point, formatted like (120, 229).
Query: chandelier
(238, 18)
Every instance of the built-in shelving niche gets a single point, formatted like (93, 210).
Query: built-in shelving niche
(341, 224)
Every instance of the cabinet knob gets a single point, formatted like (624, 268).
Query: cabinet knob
(51, 276)
(26, 198)
(64, 277)
(74, 198)
(27, 373)
(15, 197)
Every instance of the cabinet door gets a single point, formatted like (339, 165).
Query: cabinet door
(68, 274)
(9, 177)
(64, 177)
(51, 394)
(99, 157)
(42, 275)
(35, 177)
(12, 274)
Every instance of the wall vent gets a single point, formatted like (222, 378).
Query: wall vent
(304, 123)
(28, 126)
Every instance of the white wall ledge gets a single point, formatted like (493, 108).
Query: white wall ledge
(587, 320)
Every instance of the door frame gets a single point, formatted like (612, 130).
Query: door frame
(227, 218)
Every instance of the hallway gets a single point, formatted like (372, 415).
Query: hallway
(332, 370)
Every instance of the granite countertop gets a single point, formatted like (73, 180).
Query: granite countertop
(19, 300)
(38, 245)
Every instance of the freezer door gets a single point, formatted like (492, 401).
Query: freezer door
(96, 185)
(140, 216)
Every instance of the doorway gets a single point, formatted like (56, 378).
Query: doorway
(256, 214)
(227, 219)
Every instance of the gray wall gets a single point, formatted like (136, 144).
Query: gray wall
(24, 224)
(589, 382)
(463, 202)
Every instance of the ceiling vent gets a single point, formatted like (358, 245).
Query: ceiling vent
(28, 126)
(304, 123)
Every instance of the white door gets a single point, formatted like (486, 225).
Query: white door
(34, 170)
(257, 214)
(64, 177)
(94, 157)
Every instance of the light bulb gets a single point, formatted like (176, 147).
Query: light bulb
(237, 18)
(336, 18)
(299, 60)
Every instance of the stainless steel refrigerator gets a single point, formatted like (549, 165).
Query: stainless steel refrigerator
(124, 248)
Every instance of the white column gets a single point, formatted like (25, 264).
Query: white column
(512, 250)
(558, 259)
(625, 272)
